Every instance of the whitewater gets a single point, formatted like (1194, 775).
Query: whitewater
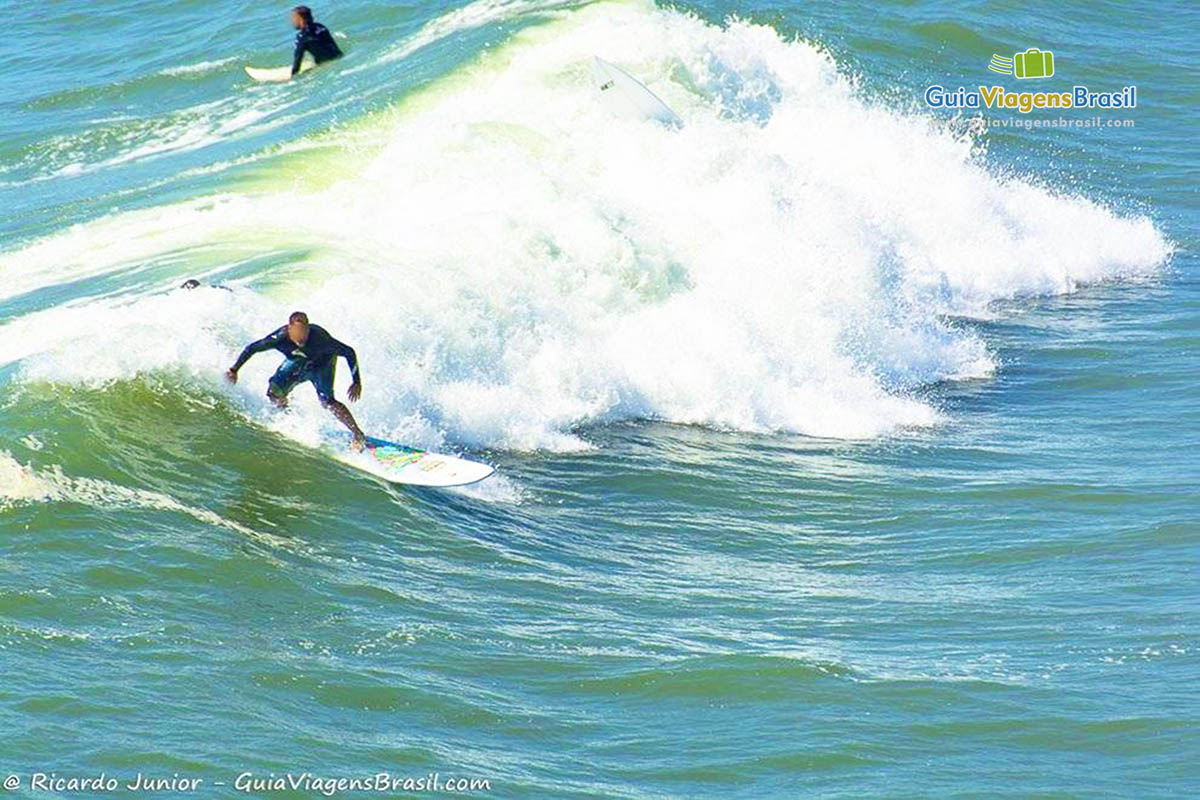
(513, 264)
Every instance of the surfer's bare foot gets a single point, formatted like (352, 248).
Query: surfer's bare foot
(358, 443)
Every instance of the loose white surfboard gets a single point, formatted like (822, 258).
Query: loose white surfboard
(398, 463)
(625, 95)
(277, 74)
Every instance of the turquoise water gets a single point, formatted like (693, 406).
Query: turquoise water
(844, 449)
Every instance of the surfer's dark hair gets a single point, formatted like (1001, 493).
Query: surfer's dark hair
(305, 14)
(298, 316)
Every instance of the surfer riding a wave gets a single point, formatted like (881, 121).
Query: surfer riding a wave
(311, 356)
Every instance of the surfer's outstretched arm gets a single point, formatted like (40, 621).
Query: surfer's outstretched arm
(262, 345)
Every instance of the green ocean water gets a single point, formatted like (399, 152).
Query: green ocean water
(844, 449)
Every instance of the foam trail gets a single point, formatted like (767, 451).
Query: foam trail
(199, 68)
(471, 16)
(496, 489)
(21, 483)
(123, 140)
(512, 263)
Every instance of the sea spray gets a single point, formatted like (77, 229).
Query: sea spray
(512, 263)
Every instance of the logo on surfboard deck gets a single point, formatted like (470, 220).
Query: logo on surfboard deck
(395, 457)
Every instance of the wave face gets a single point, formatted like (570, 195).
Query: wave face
(512, 263)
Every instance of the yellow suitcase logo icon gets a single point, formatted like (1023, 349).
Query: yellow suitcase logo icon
(1033, 63)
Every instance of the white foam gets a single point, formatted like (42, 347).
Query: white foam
(514, 263)
(469, 17)
(199, 68)
(115, 142)
(21, 483)
(496, 489)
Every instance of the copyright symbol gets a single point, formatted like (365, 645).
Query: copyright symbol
(12, 783)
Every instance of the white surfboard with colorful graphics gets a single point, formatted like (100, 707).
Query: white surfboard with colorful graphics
(399, 463)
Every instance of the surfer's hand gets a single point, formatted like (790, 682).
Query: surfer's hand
(231, 375)
(355, 391)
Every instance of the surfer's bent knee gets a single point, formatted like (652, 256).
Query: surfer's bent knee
(276, 394)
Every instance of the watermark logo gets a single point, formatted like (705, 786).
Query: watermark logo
(1033, 63)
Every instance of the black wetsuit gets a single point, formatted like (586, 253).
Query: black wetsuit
(314, 38)
(313, 362)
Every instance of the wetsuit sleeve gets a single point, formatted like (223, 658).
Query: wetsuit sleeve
(347, 352)
(263, 344)
(298, 54)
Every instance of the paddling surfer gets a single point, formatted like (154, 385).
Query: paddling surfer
(311, 37)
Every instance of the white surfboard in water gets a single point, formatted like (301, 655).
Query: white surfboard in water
(277, 74)
(626, 96)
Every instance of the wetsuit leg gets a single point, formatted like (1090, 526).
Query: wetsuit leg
(321, 377)
(290, 374)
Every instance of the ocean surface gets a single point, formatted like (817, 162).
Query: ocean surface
(846, 447)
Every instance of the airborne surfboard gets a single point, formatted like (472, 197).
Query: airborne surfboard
(626, 96)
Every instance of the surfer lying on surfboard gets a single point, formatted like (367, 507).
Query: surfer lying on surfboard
(311, 37)
(311, 356)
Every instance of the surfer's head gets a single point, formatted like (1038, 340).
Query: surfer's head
(297, 329)
(301, 17)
